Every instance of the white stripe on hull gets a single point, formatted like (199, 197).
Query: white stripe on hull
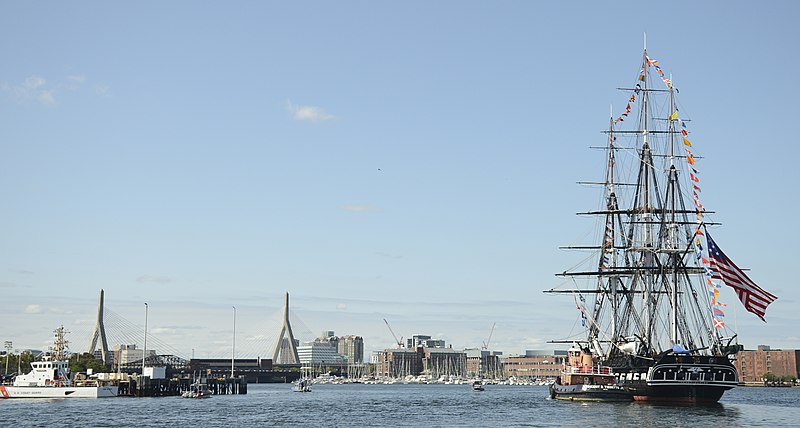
(57, 392)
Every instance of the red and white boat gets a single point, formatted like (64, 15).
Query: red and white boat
(50, 378)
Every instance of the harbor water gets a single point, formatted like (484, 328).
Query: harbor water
(400, 405)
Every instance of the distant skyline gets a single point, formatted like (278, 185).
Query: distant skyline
(415, 162)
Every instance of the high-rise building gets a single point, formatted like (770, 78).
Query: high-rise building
(329, 337)
(352, 348)
(319, 353)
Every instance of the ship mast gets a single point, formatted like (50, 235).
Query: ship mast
(648, 285)
(672, 243)
(610, 237)
(644, 215)
(607, 285)
(60, 347)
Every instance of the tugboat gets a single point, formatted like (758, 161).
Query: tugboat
(50, 378)
(583, 380)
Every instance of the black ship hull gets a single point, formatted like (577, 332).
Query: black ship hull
(589, 393)
(680, 379)
(678, 394)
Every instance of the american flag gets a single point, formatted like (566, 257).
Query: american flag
(754, 298)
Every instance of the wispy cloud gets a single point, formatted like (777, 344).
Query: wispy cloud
(37, 89)
(359, 208)
(153, 279)
(72, 83)
(308, 113)
(34, 89)
(34, 309)
(387, 255)
(102, 90)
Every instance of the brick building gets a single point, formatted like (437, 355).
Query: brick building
(754, 365)
(535, 365)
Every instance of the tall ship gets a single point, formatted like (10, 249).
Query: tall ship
(648, 295)
(51, 378)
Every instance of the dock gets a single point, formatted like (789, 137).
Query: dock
(177, 386)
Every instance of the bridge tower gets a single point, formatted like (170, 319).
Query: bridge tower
(100, 333)
(286, 347)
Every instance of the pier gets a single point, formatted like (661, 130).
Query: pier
(175, 387)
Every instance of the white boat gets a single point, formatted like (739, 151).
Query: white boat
(198, 389)
(50, 378)
(303, 385)
(477, 385)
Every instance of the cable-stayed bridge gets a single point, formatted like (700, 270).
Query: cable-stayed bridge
(275, 338)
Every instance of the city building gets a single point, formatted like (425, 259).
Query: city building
(423, 356)
(483, 363)
(440, 362)
(763, 364)
(126, 354)
(319, 354)
(330, 338)
(535, 364)
(422, 341)
(330, 350)
(397, 363)
(352, 349)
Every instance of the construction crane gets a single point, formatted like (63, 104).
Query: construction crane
(486, 344)
(399, 342)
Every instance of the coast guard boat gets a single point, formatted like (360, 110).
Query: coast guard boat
(50, 378)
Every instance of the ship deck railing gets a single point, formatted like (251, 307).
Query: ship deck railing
(592, 370)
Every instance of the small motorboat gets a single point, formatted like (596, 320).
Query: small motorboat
(303, 385)
(197, 390)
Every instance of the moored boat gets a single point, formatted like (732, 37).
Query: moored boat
(50, 378)
(584, 380)
(198, 389)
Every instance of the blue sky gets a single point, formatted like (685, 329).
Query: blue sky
(411, 161)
